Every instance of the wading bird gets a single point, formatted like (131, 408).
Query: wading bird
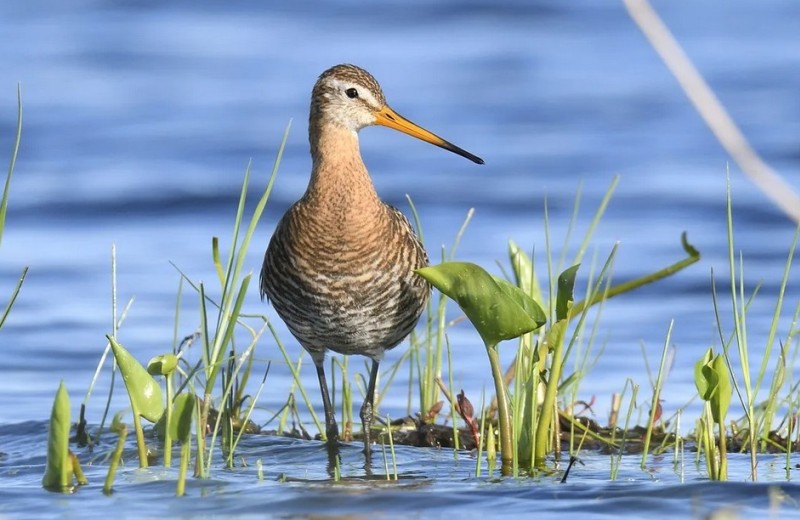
(339, 269)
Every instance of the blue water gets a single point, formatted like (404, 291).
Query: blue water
(431, 483)
(140, 120)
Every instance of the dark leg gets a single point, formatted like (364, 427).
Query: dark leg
(331, 429)
(367, 408)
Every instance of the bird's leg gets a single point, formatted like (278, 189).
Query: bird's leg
(367, 408)
(331, 429)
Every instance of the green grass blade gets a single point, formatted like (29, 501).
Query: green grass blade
(256, 217)
(12, 164)
(573, 219)
(598, 215)
(654, 403)
(237, 257)
(14, 294)
(225, 335)
(773, 330)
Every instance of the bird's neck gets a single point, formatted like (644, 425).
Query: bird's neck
(338, 174)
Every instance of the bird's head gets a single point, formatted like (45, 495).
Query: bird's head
(349, 97)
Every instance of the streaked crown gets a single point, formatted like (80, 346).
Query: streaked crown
(346, 95)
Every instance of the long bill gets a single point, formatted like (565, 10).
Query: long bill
(388, 117)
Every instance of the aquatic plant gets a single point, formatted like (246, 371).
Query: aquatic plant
(655, 401)
(217, 332)
(551, 348)
(426, 350)
(121, 429)
(516, 310)
(758, 416)
(63, 469)
(714, 386)
(499, 311)
(174, 415)
(143, 391)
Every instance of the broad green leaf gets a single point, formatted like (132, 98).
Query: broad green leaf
(143, 391)
(713, 383)
(566, 285)
(700, 380)
(497, 309)
(721, 400)
(180, 427)
(526, 303)
(162, 365)
(711, 378)
(58, 472)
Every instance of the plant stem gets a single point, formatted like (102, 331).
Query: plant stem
(693, 257)
(167, 436)
(114, 462)
(544, 431)
(506, 451)
(77, 471)
(137, 425)
(710, 446)
(202, 424)
(184, 468)
(723, 453)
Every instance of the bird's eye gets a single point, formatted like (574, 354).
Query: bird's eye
(351, 93)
